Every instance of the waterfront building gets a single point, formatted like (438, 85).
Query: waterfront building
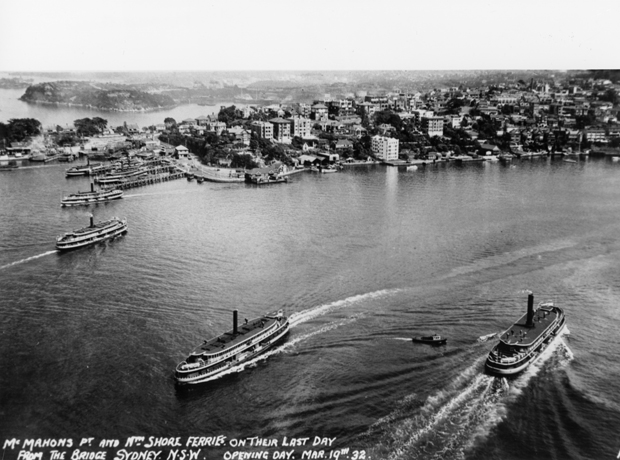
(433, 126)
(596, 135)
(180, 151)
(385, 148)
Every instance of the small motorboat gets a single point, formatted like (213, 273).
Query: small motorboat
(431, 339)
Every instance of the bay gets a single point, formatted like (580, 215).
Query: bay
(361, 260)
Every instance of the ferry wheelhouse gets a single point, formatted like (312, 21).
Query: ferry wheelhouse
(93, 196)
(92, 234)
(209, 360)
(524, 341)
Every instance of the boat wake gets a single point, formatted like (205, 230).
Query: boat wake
(284, 347)
(451, 421)
(485, 338)
(28, 259)
(306, 315)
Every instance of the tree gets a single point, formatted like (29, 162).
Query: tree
(611, 95)
(20, 129)
(90, 127)
(227, 114)
(454, 105)
(389, 118)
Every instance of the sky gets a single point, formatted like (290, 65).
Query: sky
(152, 35)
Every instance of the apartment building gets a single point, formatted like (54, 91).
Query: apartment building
(281, 130)
(263, 129)
(300, 126)
(384, 148)
(433, 126)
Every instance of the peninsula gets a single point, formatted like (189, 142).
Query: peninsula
(101, 96)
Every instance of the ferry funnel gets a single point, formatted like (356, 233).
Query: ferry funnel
(235, 322)
(530, 310)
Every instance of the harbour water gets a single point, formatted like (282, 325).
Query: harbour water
(361, 260)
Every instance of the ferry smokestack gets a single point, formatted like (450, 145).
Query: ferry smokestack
(530, 310)
(235, 322)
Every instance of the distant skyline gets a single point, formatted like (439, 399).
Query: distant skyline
(139, 35)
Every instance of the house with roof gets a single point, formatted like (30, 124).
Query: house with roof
(202, 120)
(331, 126)
(305, 160)
(489, 149)
(318, 112)
(343, 144)
(215, 126)
(181, 152)
(132, 128)
(242, 135)
(327, 156)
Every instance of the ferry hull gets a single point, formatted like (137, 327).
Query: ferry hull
(279, 337)
(493, 367)
(91, 239)
(86, 200)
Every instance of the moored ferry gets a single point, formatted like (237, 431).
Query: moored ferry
(116, 177)
(525, 340)
(92, 234)
(93, 196)
(242, 343)
(85, 170)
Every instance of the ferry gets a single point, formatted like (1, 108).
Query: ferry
(85, 170)
(94, 196)
(219, 354)
(526, 339)
(92, 234)
(118, 176)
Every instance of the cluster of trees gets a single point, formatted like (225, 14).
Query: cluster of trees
(209, 149)
(19, 129)
(229, 115)
(90, 126)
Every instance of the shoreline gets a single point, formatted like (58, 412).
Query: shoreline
(102, 109)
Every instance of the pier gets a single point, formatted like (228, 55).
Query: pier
(154, 176)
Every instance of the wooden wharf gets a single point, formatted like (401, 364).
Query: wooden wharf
(155, 175)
